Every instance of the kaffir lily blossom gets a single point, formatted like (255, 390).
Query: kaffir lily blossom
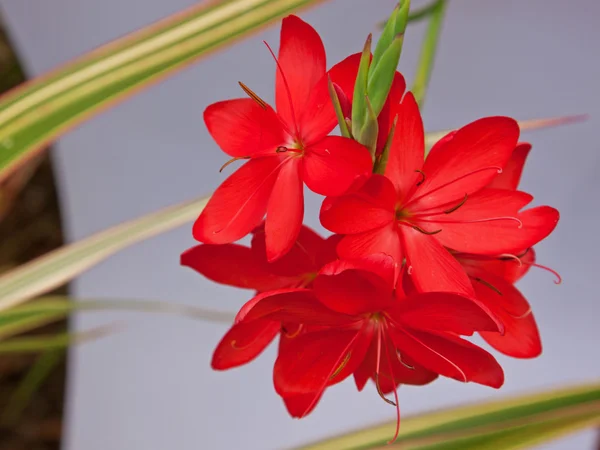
(356, 321)
(419, 209)
(248, 268)
(286, 148)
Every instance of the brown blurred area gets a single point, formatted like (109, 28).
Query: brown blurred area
(31, 403)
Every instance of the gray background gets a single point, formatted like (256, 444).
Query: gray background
(150, 387)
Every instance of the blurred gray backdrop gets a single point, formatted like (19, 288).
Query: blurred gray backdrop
(151, 387)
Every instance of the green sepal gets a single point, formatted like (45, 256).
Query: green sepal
(380, 81)
(360, 90)
(338, 109)
(370, 129)
(394, 26)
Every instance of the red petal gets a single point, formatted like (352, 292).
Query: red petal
(506, 235)
(387, 114)
(370, 207)
(504, 267)
(521, 337)
(233, 265)
(440, 311)
(408, 147)
(450, 356)
(285, 210)
(239, 204)
(243, 342)
(309, 362)
(466, 162)
(433, 268)
(295, 307)
(243, 128)
(302, 404)
(511, 173)
(318, 118)
(302, 61)
(356, 287)
(302, 258)
(344, 74)
(332, 164)
(380, 240)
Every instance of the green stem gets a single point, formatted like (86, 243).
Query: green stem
(428, 50)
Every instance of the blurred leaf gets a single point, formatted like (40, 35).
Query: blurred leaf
(432, 137)
(499, 424)
(428, 50)
(39, 111)
(62, 265)
(416, 15)
(41, 342)
(45, 310)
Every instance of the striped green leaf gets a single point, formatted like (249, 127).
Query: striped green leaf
(59, 266)
(39, 111)
(499, 425)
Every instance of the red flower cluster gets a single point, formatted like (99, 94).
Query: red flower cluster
(423, 254)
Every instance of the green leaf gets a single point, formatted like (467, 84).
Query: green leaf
(359, 105)
(59, 266)
(428, 50)
(41, 342)
(492, 420)
(44, 310)
(38, 112)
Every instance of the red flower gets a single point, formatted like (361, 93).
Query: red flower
(358, 323)
(286, 149)
(419, 209)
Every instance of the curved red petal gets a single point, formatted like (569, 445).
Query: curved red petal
(301, 405)
(233, 265)
(440, 311)
(408, 147)
(239, 204)
(285, 211)
(387, 114)
(344, 74)
(302, 61)
(379, 240)
(242, 128)
(307, 364)
(431, 267)
(318, 117)
(372, 206)
(466, 162)
(510, 234)
(511, 173)
(243, 342)
(450, 356)
(331, 165)
(356, 287)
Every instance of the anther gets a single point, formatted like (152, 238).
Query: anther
(253, 95)
(419, 183)
(341, 366)
(429, 233)
(408, 366)
(491, 286)
(281, 149)
(380, 392)
(454, 208)
(232, 160)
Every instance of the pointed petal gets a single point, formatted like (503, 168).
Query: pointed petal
(302, 61)
(508, 234)
(233, 265)
(511, 173)
(318, 117)
(302, 258)
(309, 362)
(239, 204)
(387, 114)
(467, 162)
(356, 287)
(243, 128)
(243, 342)
(344, 74)
(521, 337)
(440, 311)
(450, 356)
(408, 147)
(433, 268)
(300, 405)
(379, 240)
(372, 206)
(285, 210)
(333, 164)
